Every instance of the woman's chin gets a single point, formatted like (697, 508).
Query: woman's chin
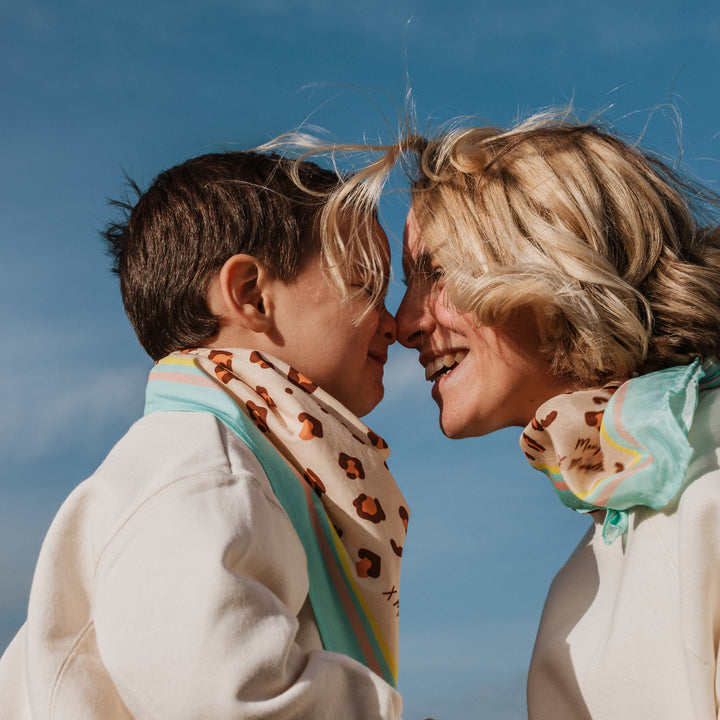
(457, 426)
(451, 428)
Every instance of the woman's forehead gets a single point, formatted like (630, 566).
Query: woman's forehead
(417, 261)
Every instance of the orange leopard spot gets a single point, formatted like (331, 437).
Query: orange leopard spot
(376, 440)
(258, 415)
(352, 466)
(369, 508)
(314, 481)
(404, 516)
(265, 395)
(258, 359)
(221, 357)
(223, 374)
(593, 418)
(534, 444)
(368, 565)
(304, 383)
(223, 364)
(311, 427)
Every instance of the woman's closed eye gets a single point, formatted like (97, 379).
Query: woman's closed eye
(425, 269)
(435, 273)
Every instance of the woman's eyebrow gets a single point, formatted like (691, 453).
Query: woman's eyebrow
(417, 266)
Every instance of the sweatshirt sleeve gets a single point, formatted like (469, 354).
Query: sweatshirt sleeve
(196, 612)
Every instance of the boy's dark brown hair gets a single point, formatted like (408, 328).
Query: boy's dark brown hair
(193, 218)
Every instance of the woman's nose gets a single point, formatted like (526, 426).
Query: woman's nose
(411, 321)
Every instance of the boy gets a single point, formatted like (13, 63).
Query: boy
(237, 554)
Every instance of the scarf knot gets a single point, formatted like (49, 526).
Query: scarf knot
(621, 445)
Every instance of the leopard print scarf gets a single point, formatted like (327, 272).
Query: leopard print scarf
(622, 445)
(342, 460)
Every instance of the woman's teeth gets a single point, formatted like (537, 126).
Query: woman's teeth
(443, 364)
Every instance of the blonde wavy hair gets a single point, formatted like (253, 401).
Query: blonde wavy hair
(609, 247)
(617, 254)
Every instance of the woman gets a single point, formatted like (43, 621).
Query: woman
(566, 281)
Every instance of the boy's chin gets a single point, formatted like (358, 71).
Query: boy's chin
(364, 408)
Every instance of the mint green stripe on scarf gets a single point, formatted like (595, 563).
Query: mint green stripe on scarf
(651, 415)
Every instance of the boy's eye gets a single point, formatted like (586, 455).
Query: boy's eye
(370, 292)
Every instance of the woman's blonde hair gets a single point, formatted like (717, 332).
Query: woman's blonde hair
(617, 255)
(604, 242)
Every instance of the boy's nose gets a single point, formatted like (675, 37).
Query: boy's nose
(388, 326)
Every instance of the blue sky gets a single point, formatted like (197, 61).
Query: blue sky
(91, 89)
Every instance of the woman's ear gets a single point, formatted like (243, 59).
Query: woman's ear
(243, 283)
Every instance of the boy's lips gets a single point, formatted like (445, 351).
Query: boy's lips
(441, 363)
(379, 357)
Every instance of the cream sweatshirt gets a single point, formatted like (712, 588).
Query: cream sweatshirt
(631, 631)
(172, 585)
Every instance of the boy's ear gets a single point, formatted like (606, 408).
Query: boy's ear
(243, 281)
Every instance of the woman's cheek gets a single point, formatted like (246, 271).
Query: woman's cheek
(445, 312)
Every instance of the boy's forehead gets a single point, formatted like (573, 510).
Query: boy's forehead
(376, 235)
(381, 240)
(369, 251)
